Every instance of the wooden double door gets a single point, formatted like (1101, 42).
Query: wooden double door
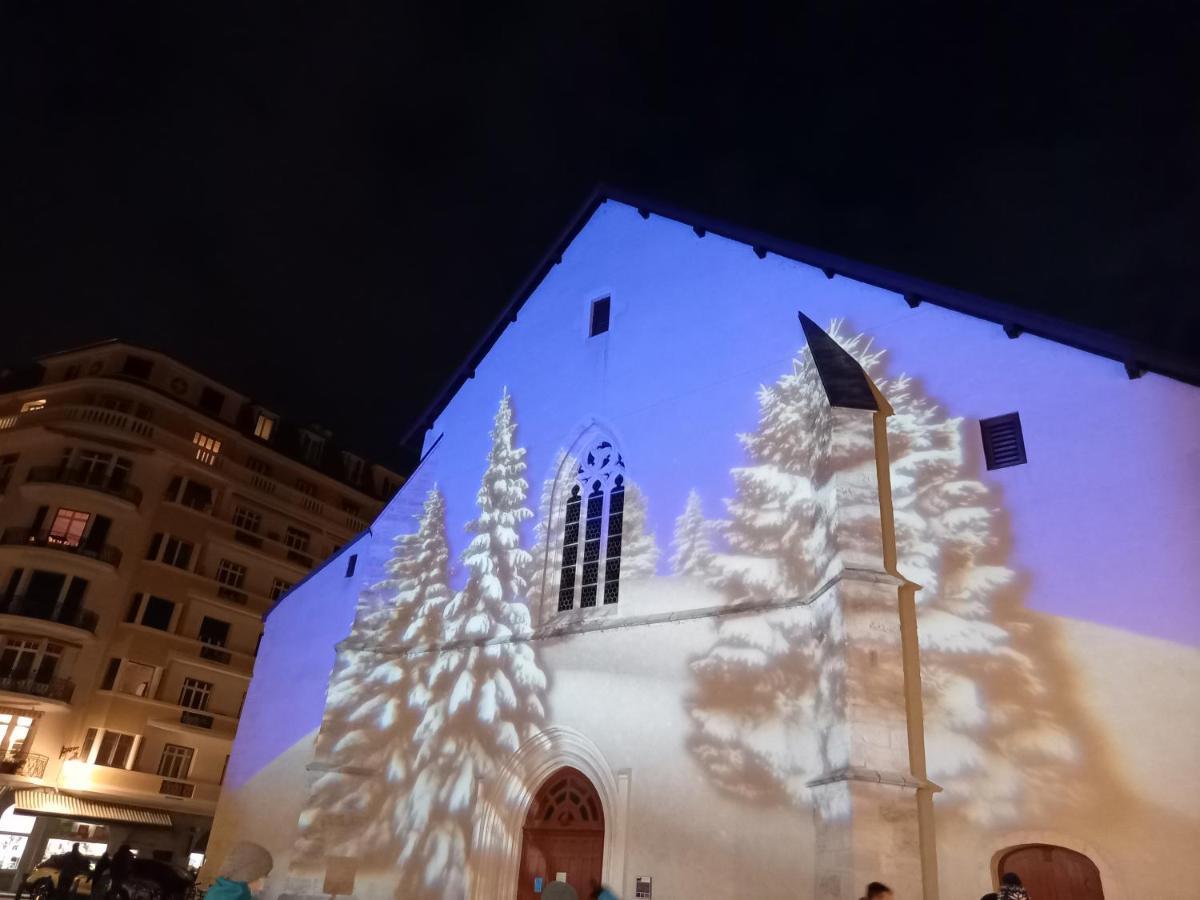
(564, 832)
(1054, 873)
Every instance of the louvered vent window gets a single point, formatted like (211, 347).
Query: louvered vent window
(1003, 442)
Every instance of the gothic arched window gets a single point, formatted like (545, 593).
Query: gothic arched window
(598, 499)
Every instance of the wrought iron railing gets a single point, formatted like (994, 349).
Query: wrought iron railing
(34, 608)
(31, 765)
(105, 553)
(176, 788)
(96, 480)
(216, 654)
(51, 689)
(198, 720)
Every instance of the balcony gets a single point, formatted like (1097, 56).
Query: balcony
(95, 481)
(27, 765)
(59, 689)
(181, 789)
(105, 553)
(34, 608)
(196, 719)
(216, 654)
(145, 787)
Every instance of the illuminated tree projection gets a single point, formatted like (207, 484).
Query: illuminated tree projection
(639, 550)
(547, 533)
(408, 732)
(486, 694)
(692, 552)
(375, 698)
(989, 712)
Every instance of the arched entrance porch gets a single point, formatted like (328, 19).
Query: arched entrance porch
(564, 833)
(1053, 872)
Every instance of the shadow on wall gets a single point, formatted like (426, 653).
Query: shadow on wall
(1005, 734)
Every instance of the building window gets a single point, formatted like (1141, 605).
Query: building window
(72, 372)
(247, 520)
(134, 678)
(1003, 441)
(349, 506)
(279, 587)
(137, 367)
(264, 427)
(176, 762)
(171, 550)
(308, 489)
(8, 462)
(594, 523)
(213, 632)
(258, 466)
(68, 527)
(115, 750)
(354, 467)
(33, 406)
(207, 447)
(189, 493)
(231, 574)
(14, 733)
(599, 318)
(312, 447)
(351, 563)
(29, 659)
(195, 694)
(211, 401)
(296, 539)
(158, 613)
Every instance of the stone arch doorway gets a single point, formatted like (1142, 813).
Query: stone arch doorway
(1052, 872)
(564, 832)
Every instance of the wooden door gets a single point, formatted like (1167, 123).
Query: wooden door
(1054, 873)
(564, 832)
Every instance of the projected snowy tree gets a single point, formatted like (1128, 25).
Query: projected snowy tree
(375, 698)
(987, 708)
(547, 533)
(486, 694)
(639, 550)
(692, 547)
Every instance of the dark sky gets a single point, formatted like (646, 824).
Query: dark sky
(324, 204)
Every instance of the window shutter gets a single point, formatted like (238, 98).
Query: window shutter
(1003, 441)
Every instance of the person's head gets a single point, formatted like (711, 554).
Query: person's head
(990, 896)
(75, 847)
(249, 863)
(1010, 879)
(877, 890)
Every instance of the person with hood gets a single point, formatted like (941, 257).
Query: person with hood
(1011, 887)
(242, 873)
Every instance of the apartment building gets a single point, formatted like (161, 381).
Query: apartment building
(149, 516)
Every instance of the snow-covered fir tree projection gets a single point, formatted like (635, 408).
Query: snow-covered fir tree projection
(989, 711)
(374, 701)
(639, 550)
(692, 552)
(410, 731)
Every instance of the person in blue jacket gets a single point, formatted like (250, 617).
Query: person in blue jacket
(245, 868)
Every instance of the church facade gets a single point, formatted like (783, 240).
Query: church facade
(731, 569)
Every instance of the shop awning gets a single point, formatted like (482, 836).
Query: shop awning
(69, 806)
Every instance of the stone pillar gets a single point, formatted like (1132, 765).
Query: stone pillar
(872, 800)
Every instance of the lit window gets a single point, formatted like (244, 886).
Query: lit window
(14, 732)
(33, 406)
(207, 447)
(264, 427)
(68, 528)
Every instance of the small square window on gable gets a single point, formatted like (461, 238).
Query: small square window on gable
(601, 309)
(1003, 441)
(211, 401)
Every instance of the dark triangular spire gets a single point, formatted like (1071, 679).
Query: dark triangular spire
(846, 384)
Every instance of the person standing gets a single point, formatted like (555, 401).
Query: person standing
(74, 865)
(119, 870)
(1011, 887)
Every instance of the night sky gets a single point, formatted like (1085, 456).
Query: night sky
(325, 204)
